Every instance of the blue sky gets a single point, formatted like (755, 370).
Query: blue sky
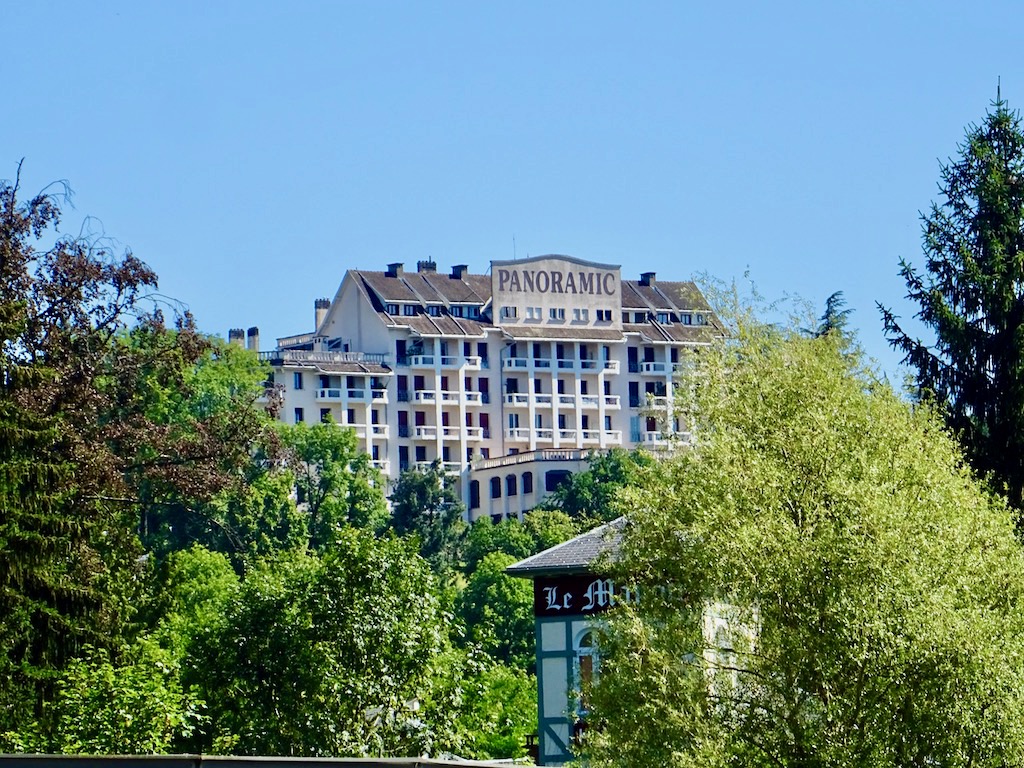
(252, 152)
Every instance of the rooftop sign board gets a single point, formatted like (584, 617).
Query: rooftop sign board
(531, 288)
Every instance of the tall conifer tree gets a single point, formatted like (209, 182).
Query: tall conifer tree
(972, 298)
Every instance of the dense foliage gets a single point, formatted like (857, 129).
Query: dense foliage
(822, 582)
(178, 572)
(972, 298)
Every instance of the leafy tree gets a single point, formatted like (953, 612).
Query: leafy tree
(325, 656)
(549, 527)
(590, 497)
(335, 481)
(425, 503)
(508, 536)
(87, 439)
(498, 612)
(972, 299)
(499, 709)
(822, 582)
(131, 706)
(835, 318)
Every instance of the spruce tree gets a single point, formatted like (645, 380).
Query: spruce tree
(971, 296)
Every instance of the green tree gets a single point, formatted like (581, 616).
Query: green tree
(549, 527)
(425, 503)
(499, 709)
(497, 610)
(508, 536)
(835, 318)
(822, 582)
(336, 482)
(591, 496)
(972, 299)
(325, 656)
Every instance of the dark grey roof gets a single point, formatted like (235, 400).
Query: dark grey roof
(574, 555)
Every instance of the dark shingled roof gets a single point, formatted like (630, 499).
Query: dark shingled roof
(574, 555)
(550, 332)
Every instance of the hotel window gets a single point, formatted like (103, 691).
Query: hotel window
(625, 317)
(455, 311)
(701, 320)
(509, 313)
(663, 318)
(299, 416)
(421, 453)
(297, 380)
(392, 309)
(639, 317)
(325, 415)
(556, 313)
(604, 315)
(473, 312)
(434, 311)
(495, 487)
(409, 309)
(510, 485)
(687, 319)
(580, 315)
(527, 482)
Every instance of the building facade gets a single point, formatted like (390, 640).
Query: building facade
(508, 379)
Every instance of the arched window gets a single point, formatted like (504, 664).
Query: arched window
(527, 482)
(585, 668)
(510, 485)
(495, 487)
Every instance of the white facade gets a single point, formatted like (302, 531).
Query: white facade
(508, 379)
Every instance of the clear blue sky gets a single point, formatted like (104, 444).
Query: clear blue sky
(252, 152)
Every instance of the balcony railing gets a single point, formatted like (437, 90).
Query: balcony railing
(517, 433)
(380, 430)
(519, 399)
(450, 433)
(424, 396)
(650, 367)
(337, 394)
(305, 356)
(596, 435)
(424, 432)
(474, 433)
(382, 464)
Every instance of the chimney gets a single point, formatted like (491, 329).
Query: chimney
(647, 278)
(236, 336)
(458, 271)
(252, 340)
(426, 266)
(320, 307)
(394, 270)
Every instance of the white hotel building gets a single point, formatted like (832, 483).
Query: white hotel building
(509, 379)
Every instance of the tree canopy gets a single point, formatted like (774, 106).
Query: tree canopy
(971, 297)
(821, 580)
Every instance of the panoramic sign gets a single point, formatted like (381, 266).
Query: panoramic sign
(531, 288)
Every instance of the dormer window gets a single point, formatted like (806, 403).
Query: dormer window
(701, 320)
(392, 309)
(473, 312)
(663, 318)
(408, 310)
(434, 311)
(687, 319)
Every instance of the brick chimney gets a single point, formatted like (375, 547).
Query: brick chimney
(647, 278)
(426, 266)
(320, 307)
(394, 270)
(236, 336)
(459, 270)
(252, 340)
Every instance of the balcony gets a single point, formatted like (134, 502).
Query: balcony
(518, 434)
(612, 402)
(569, 400)
(328, 395)
(379, 395)
(358, 395)
(517, 399)
(475, 433)
(448, 467)
(515, 362)
(418, 361)
(473, 363)
(652, 368)
(450, 433)
(612, 366)
(381, 464)
(424, 432)
(424, 396)
(359, 429)
(596, 435)
(380, 430)
(568, 435)
(657, 401)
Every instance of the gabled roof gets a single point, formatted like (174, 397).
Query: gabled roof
(575, 555)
